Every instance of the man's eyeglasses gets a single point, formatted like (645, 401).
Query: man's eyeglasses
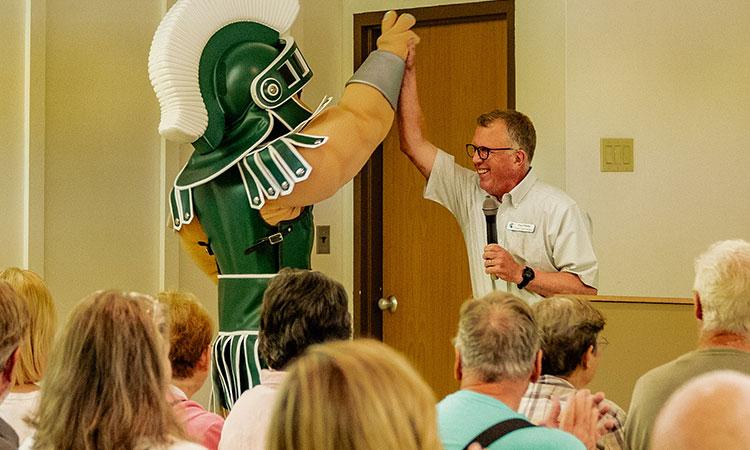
(601, 343)
(484, 152)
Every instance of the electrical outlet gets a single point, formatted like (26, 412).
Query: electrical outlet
(323, 239)
(616, 155)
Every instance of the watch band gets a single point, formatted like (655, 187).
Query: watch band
(527, 275)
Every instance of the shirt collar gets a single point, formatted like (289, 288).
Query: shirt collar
(554, 381)
(521, 189)
(177, 393)
(271, 377)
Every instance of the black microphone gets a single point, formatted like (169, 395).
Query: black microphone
(489, 208)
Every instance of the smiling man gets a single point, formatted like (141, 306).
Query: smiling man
(543, 237)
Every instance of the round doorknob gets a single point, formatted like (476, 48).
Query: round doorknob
(389, 303)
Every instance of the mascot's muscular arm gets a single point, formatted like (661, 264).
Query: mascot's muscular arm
(354, 127)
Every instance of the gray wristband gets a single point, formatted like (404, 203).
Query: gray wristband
(383, 71)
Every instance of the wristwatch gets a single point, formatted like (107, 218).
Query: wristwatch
(527, 275)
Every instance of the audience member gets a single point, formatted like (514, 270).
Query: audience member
(721, 294)
(708, 413)
(191, 332)
(108, 378)
(571, 348)
(23, 398)
(497, 355)
(300, 308)
(14, 319)
(353, 395)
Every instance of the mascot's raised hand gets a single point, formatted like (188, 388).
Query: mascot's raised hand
(228, 82)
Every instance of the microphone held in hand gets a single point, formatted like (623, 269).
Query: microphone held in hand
(489, 208)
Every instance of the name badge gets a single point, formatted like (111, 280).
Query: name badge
(521, 227)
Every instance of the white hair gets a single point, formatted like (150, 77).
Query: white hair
(176, 50)
(722, 280)
(708, 412)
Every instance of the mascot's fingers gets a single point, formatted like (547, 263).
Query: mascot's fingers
(388, 20)
(404, 22)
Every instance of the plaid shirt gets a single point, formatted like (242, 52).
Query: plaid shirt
(537, 402)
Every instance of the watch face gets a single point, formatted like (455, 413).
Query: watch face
(528, 274)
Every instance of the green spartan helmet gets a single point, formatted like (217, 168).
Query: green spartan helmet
(244, 83)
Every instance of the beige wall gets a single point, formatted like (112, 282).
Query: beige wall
(641, 337)
(11, 133)
(102, 149)
(673, 75)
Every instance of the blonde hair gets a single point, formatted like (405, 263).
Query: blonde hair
(190, 331)
(36, 342)
(107, 379)
(14, 319)
(352, 395)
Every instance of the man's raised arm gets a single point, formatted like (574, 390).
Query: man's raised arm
(420, 151)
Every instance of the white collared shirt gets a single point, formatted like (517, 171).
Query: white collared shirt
(540, 225)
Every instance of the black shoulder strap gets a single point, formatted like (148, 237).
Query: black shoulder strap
(500, 429)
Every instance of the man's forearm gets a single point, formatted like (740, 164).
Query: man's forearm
(413, 143)
(548, 284)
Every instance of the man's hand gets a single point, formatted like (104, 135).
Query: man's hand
(553, 418)
(498, 262)
(397, 34)
(580, 418)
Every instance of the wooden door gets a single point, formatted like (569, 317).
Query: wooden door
(416, 249)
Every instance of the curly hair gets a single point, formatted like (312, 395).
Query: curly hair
(301, 308)
(190, 331)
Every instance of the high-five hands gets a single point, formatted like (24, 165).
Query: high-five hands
(397, 34)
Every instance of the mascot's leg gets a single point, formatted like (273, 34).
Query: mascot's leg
(236, 362)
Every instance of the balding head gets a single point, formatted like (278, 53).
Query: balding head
(710, 412)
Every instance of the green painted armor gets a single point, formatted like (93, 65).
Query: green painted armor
(247, 156)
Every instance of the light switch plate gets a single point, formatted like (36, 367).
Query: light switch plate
(323, 239)
(616, 155)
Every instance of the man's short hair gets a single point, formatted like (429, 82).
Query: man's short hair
(569, 326)
(722, 280)
(497, 337)
(520, 128)
(14, 321)
(301, 308)
(190, 331)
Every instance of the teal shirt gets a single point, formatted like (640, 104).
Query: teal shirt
(464, 414)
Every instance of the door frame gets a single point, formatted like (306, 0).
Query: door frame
(368, 190)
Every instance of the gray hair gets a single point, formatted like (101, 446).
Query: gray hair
(497, 337)
(722, 280)
(520, 128)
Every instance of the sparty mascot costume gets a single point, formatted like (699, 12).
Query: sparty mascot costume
(229, 83)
